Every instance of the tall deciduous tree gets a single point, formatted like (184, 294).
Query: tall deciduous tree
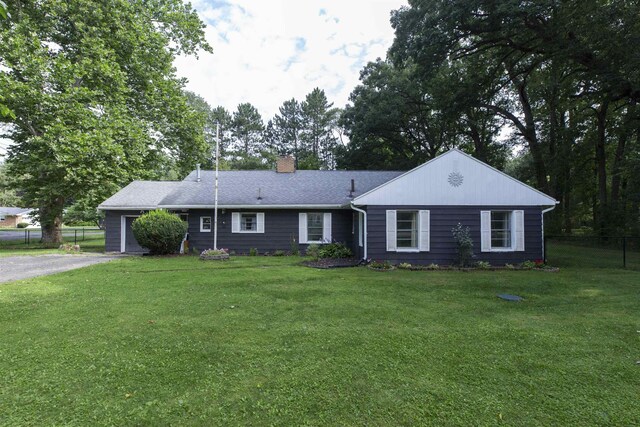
(95, 95)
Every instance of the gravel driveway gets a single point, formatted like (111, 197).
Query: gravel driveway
(24, 267)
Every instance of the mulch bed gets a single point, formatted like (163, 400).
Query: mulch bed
(332, 263)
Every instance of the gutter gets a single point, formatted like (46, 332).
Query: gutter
(364, 231)
(544, 211)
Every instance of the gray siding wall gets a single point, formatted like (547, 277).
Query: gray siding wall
(443, 247)
(112, 229)
(280, 227)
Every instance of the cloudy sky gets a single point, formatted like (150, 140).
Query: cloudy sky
(269, 51)
(266, 52)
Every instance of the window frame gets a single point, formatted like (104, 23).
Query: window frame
(202, 229)
(512, 243)
(416, 230)
(255, 230)
(321, 241)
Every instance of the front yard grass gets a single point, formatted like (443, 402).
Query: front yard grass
(264, 341)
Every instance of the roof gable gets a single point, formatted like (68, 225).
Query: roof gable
(455, 178)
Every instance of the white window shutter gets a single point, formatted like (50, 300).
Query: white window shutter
(235, 222)
(326, 228)
(302, 228)
(391, 231)
(424, 237)
(518, 227)
(260, 218)
(485, 231)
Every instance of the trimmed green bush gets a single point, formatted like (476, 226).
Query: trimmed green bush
(334, 250)
(159, 231)
(22, 225)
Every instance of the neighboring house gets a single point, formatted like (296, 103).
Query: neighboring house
(381, 215)
(12, 216)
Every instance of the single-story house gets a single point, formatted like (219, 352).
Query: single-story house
(12, 216)
(381, 215)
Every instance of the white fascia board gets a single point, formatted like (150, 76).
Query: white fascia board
(255, 207)
(126, 208)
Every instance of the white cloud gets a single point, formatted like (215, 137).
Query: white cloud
(266, 52)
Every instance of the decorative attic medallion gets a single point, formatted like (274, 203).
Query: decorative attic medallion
(455, 179)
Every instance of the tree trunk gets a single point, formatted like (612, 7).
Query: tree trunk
(528, 131)
(51, 221)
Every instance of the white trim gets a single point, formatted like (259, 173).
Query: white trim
(364, 214)
(123, 231)
(326, 227)
(360, 229)
(517, 223)
(302, 228)
(202, 230)
(424, 230)
(129, 208)
(544, 211)
(485, 232)
(355, 200)
(391, 230)
(261, 207)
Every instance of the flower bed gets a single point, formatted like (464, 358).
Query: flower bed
(214, 254)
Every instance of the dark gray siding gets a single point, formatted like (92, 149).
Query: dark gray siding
(280, 227)
(112, 229)
(443, 248)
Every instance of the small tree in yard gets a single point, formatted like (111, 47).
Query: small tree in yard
(464, 244)
(159, 231)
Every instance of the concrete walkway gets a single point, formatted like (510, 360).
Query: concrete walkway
(24, 267)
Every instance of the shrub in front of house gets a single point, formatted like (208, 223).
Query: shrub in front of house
(334, 250)
(464, 244)
(159, 231)
(313, 251)
(22, 225)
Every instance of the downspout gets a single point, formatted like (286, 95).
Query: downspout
(544, 250)
(364, 231)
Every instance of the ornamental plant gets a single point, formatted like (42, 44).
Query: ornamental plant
(464, 244)
(159, 231)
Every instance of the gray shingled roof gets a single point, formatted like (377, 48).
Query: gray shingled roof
(242, 188)
(140, 194)
(11, 210)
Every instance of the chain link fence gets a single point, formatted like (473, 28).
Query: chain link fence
(593, 251)
(30, 238)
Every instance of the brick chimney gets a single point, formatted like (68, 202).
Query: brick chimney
(286, 164)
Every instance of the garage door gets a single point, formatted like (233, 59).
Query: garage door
(130, 242)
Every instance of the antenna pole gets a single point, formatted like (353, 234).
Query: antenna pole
(215, 200)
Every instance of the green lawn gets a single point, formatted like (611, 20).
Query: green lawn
(264, 341)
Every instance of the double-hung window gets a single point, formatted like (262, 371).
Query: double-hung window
(205, 224)
(247, 222)
(408, 230)
(314, 227)
(502, 231)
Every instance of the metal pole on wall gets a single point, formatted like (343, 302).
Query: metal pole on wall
(215, 200)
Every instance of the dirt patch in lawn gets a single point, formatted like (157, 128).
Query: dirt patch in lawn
(332, 263)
